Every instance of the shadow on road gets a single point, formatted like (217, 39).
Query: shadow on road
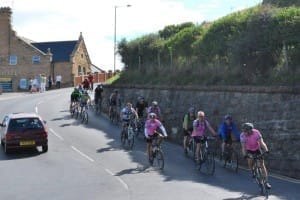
(19, 154)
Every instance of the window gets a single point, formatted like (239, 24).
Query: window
(79, 70)
(36, 59)
(13, 60)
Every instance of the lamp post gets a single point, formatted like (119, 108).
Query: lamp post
(115, 34)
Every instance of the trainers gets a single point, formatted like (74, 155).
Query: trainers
(268, 185)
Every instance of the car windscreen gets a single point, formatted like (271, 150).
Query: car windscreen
(24, 124)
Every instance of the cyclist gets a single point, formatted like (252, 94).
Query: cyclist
(85, 98)
(187, 126)
(114, 101)
(75, 97)
(98, 94)
(252, 144)
(199, 127)
(154, 108)
(151, 125)
(141, 106)
(128, 113)
(227, 128)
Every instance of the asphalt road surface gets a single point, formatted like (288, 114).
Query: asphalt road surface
(87, 162)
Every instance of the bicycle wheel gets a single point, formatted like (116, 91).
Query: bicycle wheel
(233, 161)
(261, 183)
(158, 160)
(209, 163)
(85, 117)
(76, 113)
(130, 139)
(123, 137)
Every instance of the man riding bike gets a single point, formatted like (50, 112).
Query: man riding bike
(151, 126)
(114, 101)
(75, 97)
(85, 98)
(154, 108)
(141, 106)
(187, 126)
(252, 144)
(199, 127)
(98, 94)
(128, 113)
(227, 128)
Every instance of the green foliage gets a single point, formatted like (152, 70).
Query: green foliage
(282, 3)
(260, 45)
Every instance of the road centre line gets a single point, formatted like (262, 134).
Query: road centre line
(56, 134)
(36, 109)
(118, 178)
(82, 154)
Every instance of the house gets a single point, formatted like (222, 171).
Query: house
(22, 59)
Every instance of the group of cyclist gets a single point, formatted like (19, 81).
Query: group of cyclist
(194, 125)
(252, 143)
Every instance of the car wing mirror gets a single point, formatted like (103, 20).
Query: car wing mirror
(45, 122)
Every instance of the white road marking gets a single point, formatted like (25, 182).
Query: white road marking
(118, 178)
(56, 134)
(82, 154)
(40, 102)
(36, 109)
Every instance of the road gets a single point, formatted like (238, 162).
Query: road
(87, 162)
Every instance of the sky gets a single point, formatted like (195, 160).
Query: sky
(61, 20)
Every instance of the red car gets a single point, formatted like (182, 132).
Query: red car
(23, 130)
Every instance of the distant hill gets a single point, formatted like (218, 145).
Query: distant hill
(255, 46)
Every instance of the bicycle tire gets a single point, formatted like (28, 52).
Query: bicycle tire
(158, 160)
(209, 163)
(130, 139)
(85, 117)
(262, 183)
(123, 138)
(231, 158)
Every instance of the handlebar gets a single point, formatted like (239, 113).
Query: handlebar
(257, 157)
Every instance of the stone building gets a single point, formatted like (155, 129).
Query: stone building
(22, 59)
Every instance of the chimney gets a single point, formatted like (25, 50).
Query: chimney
(5, 31)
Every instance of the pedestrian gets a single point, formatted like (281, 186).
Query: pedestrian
(30, 84)
(91, 81)
(39, 81)
(58, 81)
(49, 82)
(43, 83)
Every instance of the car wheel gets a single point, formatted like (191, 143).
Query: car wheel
(45, 148)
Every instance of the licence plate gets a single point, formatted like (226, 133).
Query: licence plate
(27, 143)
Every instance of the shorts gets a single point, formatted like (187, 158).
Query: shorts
(150, 139)
(82, 104)
(199, 139)
(187, 132)
(254, 153)
(228, 139)
(113, 103)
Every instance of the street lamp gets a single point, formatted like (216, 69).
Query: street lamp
(115, 34)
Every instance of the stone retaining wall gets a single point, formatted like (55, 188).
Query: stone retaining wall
(275, 111)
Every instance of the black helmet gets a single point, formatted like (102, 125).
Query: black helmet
(247, 126)
(228, 117)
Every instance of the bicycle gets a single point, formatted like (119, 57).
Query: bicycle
(158, 160)
(84, 114)
(207, 158)
(230, 157)
(128, 135)
(140, 126)
(114, 116)
(190, 147)
(258, 174)
(74, 110)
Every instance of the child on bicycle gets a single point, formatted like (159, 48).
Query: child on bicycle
(128, 113)
(85, 98)
(187, 126)
(252, 144)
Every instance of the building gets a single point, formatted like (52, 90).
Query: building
(22, 59)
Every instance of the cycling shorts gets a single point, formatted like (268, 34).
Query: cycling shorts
(228, 139)
(151, 138)
(254, 153)
(199, 139)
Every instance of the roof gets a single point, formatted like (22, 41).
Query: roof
(61, 50)
(94, 69)
(23, 115)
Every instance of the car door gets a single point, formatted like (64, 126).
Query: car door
(3, 127)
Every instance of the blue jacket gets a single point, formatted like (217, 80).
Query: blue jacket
(225, 129)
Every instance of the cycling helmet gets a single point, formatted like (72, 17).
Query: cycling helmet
(191, 110)
(247, 126)
(152, 116)
(116, 91)
(228, 117)
(154, 103)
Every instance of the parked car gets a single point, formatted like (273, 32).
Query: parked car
(23, 130)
